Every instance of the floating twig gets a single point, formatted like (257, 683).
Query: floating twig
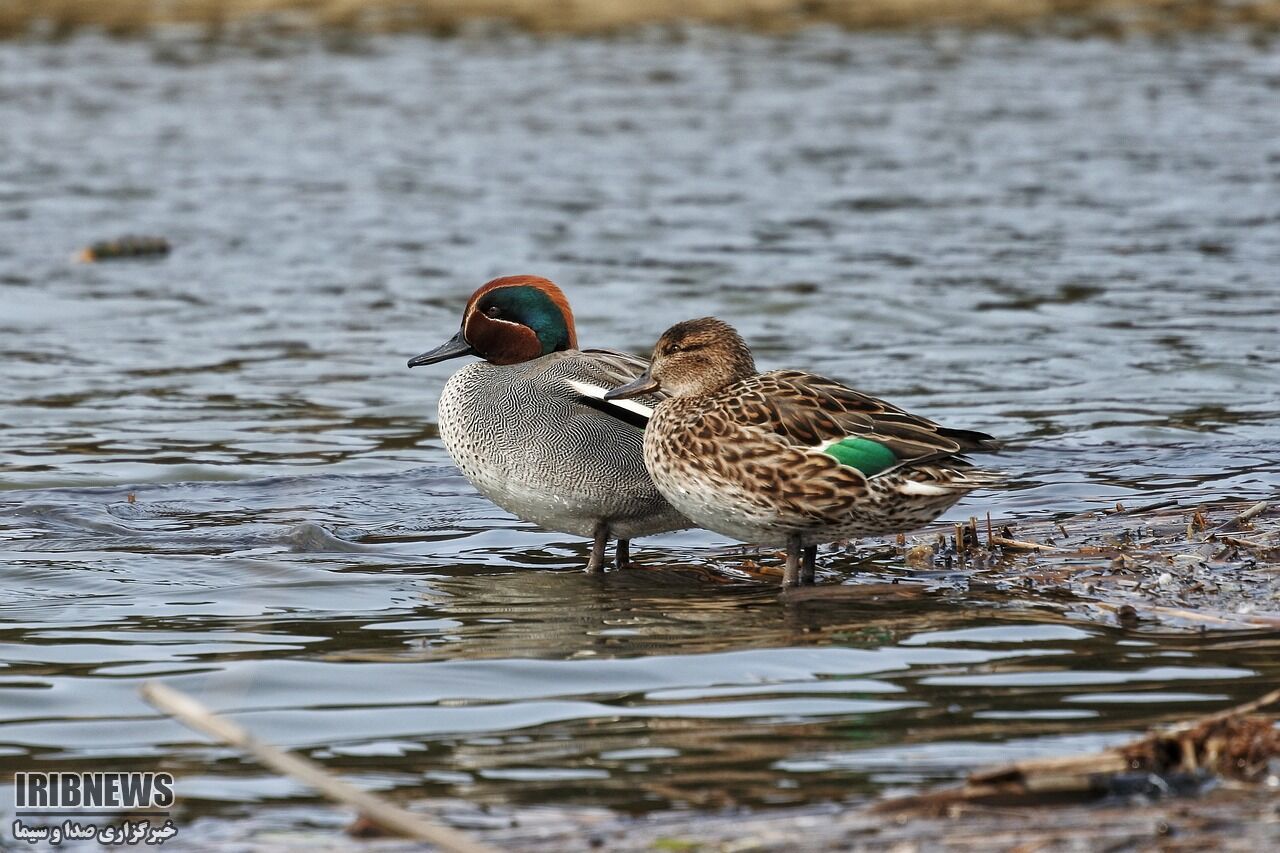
(385, 814)
(1199, 617)
(124, 247)
(1019, 545)
(1234, 524)
(1146, 508)
(1247, 544)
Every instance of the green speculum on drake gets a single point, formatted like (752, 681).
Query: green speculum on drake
(869, 457)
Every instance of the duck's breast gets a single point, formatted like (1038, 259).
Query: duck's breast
(533, 445)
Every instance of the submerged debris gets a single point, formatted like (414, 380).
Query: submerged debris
(1241, 519)
(123, 248)
(1235, 744)
(1205, 566)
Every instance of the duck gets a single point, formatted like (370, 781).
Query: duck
(787, 458)
(528, 426)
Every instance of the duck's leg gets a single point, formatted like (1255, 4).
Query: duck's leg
(808, 565)
(601, 541)
(623, 553)
(791, 575)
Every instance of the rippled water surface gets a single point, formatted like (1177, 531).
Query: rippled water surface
(216, 470)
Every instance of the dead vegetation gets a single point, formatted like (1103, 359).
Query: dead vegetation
(1156, 567)
(1202, 566)
(226, 18)
(1205, 784)
(1236, 745)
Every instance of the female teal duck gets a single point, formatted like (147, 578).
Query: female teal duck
(788, 458)
(528, 425)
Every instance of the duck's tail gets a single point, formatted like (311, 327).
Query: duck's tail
(956, 476)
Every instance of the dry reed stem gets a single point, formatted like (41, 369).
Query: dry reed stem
(391, 817)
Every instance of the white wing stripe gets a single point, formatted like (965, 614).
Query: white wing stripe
(911, 487)
(596, 392)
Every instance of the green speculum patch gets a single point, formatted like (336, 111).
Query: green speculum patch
(869, 457)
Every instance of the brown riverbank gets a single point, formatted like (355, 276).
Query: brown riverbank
(55, 18)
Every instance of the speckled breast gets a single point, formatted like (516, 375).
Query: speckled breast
(746, 495)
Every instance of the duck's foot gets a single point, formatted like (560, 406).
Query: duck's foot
(808, 565)
(598, 545)
(791, 574)
(623, 554)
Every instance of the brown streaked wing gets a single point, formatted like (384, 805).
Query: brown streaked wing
(806, 410)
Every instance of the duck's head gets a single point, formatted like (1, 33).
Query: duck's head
(693, 357)
(509, 320)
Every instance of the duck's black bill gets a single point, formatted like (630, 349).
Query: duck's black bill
(451, 348)
(643, 384)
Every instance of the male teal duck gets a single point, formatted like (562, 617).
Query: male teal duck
(528, 425)
(787, 458)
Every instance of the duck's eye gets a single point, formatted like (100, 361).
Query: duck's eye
(493, 311)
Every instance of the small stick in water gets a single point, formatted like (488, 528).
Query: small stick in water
(387, 815)
(1019, 545)
(124, 247)
(1234, 524)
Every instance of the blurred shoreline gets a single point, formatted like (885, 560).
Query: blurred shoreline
(51, 19)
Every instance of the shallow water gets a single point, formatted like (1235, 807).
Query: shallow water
(216, 470)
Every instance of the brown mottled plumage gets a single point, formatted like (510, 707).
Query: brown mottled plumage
(790, 458)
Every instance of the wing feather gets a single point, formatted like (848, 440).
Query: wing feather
(811, 412)
(598, 371)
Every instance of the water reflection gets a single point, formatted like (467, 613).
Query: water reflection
(494, 673)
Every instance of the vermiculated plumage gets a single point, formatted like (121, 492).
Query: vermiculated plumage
(529, 427)
(531, 443)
